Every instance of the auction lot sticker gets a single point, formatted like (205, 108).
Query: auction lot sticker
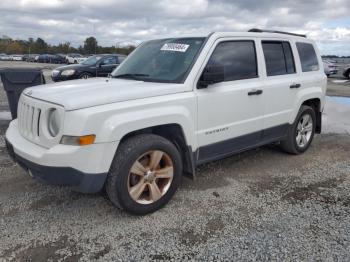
(175, 47)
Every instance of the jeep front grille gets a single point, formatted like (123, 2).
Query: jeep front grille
(32, 117)
(28, 120)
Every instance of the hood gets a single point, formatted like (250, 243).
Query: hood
(77, 94)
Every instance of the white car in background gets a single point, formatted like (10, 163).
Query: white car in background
(17, 57)
(81, 59)
(4, 57)
(73, 58)
(330, 68)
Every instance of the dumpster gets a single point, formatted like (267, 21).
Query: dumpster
(15, 80)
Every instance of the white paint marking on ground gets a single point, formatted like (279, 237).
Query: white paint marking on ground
(339, 81)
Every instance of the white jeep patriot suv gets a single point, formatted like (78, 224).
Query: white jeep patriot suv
(173, 104)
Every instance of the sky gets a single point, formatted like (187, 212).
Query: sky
(122, 22)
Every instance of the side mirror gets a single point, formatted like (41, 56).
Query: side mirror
(211, 75)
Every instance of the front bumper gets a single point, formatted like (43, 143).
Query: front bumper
(82, 168)
(59, 77)
(65, 176)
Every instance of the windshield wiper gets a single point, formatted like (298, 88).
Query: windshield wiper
(131, 76)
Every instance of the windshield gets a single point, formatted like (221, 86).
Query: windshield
(92, 60)
(164, 60)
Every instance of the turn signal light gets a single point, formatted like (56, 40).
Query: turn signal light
(78, 140)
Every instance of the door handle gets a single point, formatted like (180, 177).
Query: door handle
(295, 86)
(255, 92)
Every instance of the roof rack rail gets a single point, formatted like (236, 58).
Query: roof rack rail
(256, 30)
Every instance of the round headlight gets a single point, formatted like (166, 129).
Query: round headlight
(54, 122)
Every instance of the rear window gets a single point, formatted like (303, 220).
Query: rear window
(278, 58)
(308, 57)
(238, 59)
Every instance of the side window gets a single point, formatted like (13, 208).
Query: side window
(308, 57)
(121, 59)
(278, 58)
(109, 61)
(238, 58)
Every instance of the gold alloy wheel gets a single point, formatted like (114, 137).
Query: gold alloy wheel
(150, 177)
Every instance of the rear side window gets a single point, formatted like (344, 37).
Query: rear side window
(278, 58)
(112, 60)
(238, 59)
(308, 57)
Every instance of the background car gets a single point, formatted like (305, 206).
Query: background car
(25, 57)
(43, 58)
(94, 66)
(330, 68)
(36, 58)
(57, 59)
(81, 59)
(4, 57)
(73, 58)
(31, 57)
(52, 59)
(17, 57)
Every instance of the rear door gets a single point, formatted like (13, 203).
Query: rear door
(281, 86)
(230, 113)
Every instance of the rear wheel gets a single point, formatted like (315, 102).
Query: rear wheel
(145, 174)
(301, 133)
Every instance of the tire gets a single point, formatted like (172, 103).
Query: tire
(121, 180)
(296, 131)
(85, 75)
(347, 74)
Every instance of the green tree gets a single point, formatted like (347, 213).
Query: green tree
(15, 48)
(40, 46)
(90, 45)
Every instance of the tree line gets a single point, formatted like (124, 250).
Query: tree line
(39, 46)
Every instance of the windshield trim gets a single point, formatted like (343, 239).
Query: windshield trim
(184, 77)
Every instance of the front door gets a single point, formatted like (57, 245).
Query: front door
(230, 113)
(106, 66)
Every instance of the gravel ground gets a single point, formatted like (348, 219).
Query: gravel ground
(259, 205)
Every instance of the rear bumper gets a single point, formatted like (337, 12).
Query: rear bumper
(333, 72)
(65, 176)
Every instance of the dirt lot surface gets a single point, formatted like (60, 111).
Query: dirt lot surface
(259, 205)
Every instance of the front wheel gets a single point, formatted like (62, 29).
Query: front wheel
(301, 133)
(145, 174)
(85, 76)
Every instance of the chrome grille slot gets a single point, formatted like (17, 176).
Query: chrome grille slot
(28, 120)
(32, 115)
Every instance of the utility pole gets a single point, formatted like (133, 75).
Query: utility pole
(93, 33)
